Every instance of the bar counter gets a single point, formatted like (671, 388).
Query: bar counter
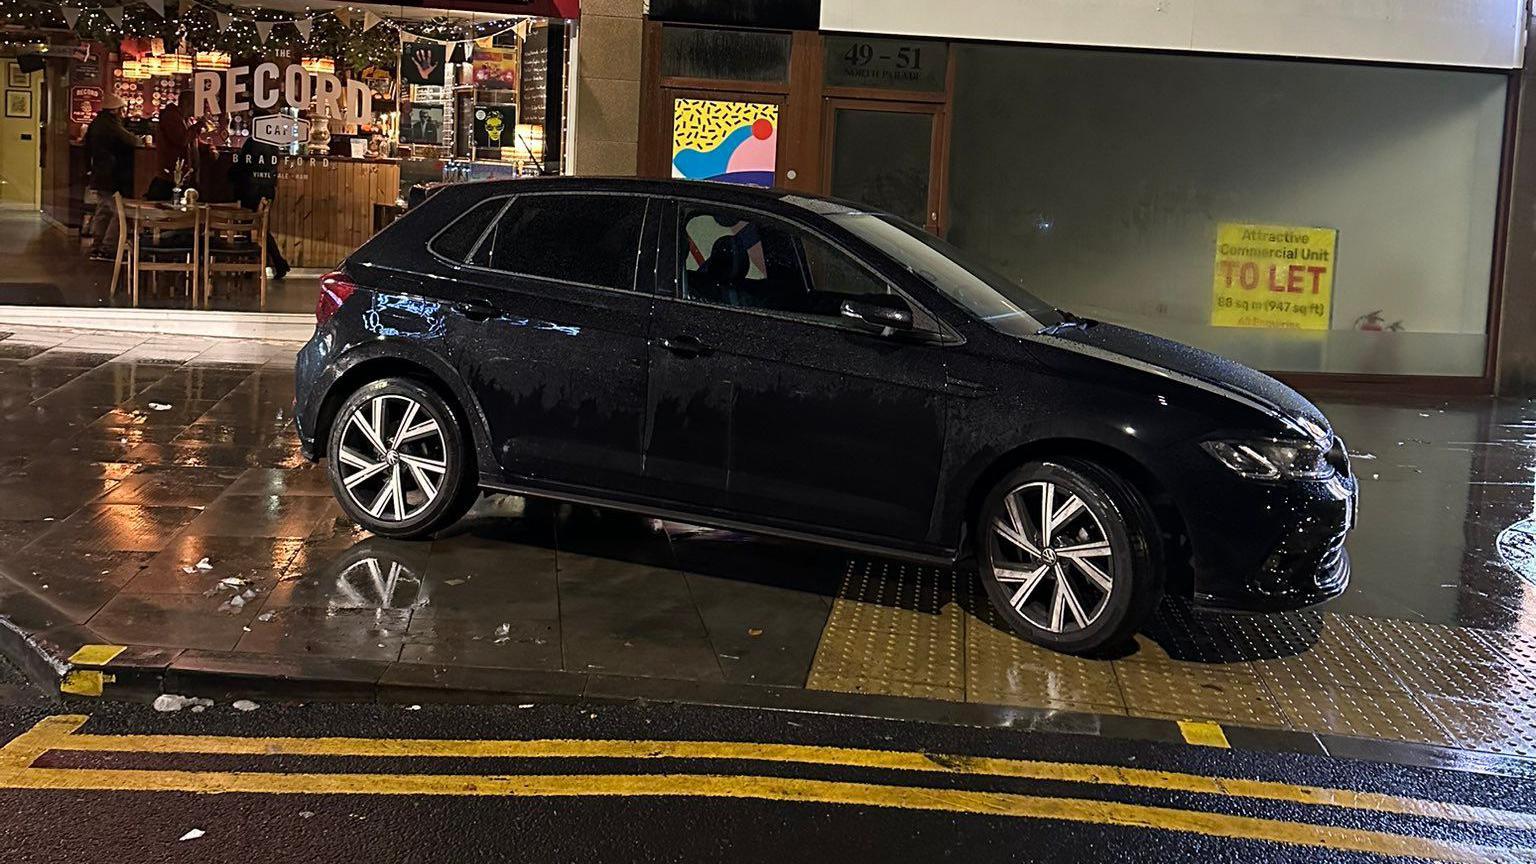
(324, 205)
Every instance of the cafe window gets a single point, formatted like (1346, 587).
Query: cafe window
(724, 55)
(1296, 216)
(338, 118)
(586, 239)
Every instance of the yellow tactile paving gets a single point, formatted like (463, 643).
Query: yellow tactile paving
(1518, 649)
(1148, 650)
(1002, 669)
(1184, 693)
(1418, 642)
(890, 687)
(893, 622)
(1337, 659)
(1460, 679)
(1360, 714)
(1492, 728)
(919, 631)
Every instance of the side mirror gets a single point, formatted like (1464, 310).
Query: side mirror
(880, 316)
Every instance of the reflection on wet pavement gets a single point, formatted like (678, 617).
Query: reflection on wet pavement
(153, 495)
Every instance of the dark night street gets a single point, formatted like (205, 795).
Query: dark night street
(1364, 730)
(565, 783)
(845, 431)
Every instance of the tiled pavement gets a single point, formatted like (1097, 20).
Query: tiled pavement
(125, 461)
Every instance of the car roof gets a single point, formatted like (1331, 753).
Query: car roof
(725, 193)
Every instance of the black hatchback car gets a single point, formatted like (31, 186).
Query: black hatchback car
(802, 367)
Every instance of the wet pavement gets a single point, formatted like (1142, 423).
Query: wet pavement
(153, 496)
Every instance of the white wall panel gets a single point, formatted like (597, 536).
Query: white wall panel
(1485, 33)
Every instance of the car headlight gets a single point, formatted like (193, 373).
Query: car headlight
(1272, 460)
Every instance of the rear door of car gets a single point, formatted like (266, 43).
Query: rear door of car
(552, 323)
(767, 404)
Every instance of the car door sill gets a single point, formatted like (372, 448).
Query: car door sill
(941, 559)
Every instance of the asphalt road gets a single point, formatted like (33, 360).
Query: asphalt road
(121, 783)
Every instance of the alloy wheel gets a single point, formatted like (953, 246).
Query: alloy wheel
(1052, 555)
(392, 457)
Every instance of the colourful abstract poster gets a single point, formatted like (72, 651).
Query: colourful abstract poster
(732, 142)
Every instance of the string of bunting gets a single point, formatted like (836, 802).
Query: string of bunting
(265, 21)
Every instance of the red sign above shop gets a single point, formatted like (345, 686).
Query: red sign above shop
(84, 102)
(539, 8)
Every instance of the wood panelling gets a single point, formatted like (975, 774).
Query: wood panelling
(324, 206)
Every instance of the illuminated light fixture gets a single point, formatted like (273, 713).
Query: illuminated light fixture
(531, 137)
(212, 60)
(318, 65)
(133, 70)
(177, 64)
(149, 65)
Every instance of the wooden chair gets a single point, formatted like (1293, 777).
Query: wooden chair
(165, 239)
(127, 216)
(235, 241)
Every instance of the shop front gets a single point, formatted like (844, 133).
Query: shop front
(322, 119)
(1320, 198)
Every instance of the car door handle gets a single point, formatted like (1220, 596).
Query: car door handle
(476, 310)
(684, 346)
(965, 387)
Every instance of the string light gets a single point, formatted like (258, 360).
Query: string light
(194, 25)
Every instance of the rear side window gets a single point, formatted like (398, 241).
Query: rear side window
(455, 241)
(587, 239)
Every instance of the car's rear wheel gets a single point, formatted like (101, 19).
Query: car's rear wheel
(1069, 555)
(399, 461)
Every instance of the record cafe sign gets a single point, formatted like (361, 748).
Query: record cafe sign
(240, 88)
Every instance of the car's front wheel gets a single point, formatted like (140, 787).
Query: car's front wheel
(398, 459)
(1069, 555)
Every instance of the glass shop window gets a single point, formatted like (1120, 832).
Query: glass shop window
(1295, 216)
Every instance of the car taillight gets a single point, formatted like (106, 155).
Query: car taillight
(335, 288)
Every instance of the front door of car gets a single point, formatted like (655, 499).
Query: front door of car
(768, 403)
(554, 315)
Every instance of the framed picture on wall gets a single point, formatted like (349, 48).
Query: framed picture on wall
(18, 103)
(423, 124)
(14, 77)
(424, 63)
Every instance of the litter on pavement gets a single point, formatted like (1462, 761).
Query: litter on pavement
(174, 702)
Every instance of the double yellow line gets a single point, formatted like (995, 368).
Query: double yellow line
(60, 733)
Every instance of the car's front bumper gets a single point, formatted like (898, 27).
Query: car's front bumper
(1274, 547)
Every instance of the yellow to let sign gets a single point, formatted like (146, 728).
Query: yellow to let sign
(1277, 276)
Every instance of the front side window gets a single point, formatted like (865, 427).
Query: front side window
(742, 259)
(1002, 304)
(586, 239)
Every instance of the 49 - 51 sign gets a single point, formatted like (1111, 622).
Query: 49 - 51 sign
(1277, 276)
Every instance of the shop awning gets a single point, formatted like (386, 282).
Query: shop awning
(541, 8)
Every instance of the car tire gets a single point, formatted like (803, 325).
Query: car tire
(412, 479)
(1083, 585)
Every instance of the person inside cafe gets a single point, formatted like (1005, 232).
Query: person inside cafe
(254, 176)
(175, 141)
(109, 146)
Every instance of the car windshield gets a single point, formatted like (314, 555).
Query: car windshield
(984, 292)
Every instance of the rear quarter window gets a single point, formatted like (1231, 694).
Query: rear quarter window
(456, 241)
